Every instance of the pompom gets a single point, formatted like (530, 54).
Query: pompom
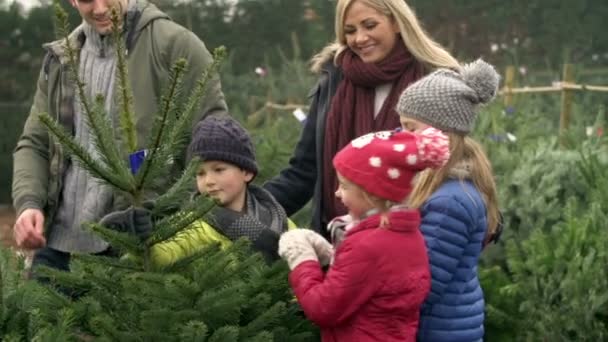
(433, 147)
(482, 78)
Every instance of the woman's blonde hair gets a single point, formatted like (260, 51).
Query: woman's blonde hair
(464, 152)
(427, 51)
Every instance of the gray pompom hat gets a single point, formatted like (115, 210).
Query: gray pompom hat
(449, 100)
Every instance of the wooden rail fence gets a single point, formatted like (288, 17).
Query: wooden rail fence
(566, 87)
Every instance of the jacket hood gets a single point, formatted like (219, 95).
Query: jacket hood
(461, 170)
(141, 16)
(327, 55)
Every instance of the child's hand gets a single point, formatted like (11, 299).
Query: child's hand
(132, 220)
(295, 248)
(323, 249)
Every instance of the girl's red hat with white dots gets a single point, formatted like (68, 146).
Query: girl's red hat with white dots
(385, 163)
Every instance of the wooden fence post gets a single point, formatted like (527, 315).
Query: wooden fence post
(509, 84)
(566, 103)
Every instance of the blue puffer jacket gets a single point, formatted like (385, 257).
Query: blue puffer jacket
(454, 225)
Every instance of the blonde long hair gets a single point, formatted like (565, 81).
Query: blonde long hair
(427, 51)
(464, 150)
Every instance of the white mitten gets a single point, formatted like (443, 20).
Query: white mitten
(323, 249)
(295, 248)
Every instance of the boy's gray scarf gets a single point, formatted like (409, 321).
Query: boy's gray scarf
(262, 212)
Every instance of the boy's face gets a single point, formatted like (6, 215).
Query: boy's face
(353, 198)
(97, 12)
(223, 182)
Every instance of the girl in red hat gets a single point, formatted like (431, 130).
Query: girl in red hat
(380, 274)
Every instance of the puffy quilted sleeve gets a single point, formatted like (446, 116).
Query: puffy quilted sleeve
(186, 243)
(328, 300)
(445, 225)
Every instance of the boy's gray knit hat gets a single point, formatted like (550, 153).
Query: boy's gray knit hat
(448, 100)
(222, 138)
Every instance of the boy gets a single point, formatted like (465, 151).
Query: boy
(227, 168)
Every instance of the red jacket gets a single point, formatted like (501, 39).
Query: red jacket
(375, 287)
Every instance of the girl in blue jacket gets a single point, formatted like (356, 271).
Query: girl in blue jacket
(457, 202)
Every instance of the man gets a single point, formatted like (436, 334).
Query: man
(52, 195)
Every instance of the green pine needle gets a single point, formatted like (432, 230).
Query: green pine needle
(127, 243)
(195, 331)
(178, 136)
(105, 141)
(127, 117)
(174, 197)
(225, 334)
(86, 160)
(109, 262)
(200, 255)
(164, 121)
(268, 319)
(171, 225)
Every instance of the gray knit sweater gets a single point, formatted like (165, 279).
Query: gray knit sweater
(84, 198)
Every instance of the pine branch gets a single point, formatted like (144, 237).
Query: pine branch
(104, 325)
(13, 337)
(178, 136)
(268, 319)
(183, 263)
(221, 268)
(94, 167)
(256, 305)
(171, 225)
(193, 331)
(263, 336)
(109, 262)
(175, 196)
(163, 122)
(127, 117)
(124, 242)
(225, 334)
(105, 143)
(103, 133)
(68, 281)
(63, 29)
(222, 306)
(156, 318)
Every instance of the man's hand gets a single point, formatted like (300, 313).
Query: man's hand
(29, 229)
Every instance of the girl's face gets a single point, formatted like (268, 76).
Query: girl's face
(224, 182)
(412, 125)
(368, 33)
(353, 198)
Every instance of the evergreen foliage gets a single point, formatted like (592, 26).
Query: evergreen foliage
(214, 295)
(551, 284)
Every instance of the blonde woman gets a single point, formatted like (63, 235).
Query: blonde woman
(380, 49)
(457, 202)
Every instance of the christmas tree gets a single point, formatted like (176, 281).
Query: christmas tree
(213, 295)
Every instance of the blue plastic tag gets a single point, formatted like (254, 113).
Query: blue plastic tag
(136, 160)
